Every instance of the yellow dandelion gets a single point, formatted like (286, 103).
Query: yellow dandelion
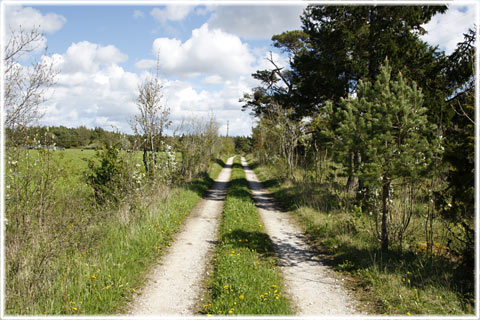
(408, 313)
(277, 298)
(133, 290)
(94, 276)
(74, 308)
(241, 297)
(108, 287)
(72, 303)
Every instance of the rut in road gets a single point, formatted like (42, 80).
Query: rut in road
(174, 286)
(309, 283)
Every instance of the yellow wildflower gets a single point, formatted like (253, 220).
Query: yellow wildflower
(94, 276)
(74, 308)
(241, 297)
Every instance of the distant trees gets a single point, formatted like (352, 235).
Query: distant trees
(198, 143)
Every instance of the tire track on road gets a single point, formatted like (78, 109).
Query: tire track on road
(308, 281)
(174, 285)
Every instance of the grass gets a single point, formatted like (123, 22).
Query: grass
(245, 280)
(102, 276)
(402, 282)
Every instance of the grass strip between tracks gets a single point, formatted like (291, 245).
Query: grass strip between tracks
(245, 278)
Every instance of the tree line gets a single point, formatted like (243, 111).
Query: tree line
(364, 98)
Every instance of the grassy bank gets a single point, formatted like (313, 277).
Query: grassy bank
(245, 280)
(402, 282)
(102, 261)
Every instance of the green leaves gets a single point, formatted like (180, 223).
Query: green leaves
(386, 122)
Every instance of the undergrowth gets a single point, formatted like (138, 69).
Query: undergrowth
(403, 281)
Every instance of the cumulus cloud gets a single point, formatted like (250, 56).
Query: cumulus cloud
(256, 22)
(208, 52)
(92, 89)
(187, 102)
(88, 57)
(171, 13)
(29, 18)
(446, 30)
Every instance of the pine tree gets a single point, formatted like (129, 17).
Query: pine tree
(388, 124)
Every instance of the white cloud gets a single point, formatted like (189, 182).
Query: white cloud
(187, 102)
(91, 92)
(209, 52)
(29, 18)
(138, 14)
(257, 22)
(92, 89)
(87, 57)
(171, 13)
(446, 30)
(213, 79)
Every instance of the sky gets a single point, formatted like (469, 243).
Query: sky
(206, 55)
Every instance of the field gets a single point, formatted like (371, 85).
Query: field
(68, 255)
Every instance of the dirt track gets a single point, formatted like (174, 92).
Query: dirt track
(174, 286)
(310, 283)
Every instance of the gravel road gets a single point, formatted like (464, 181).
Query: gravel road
(174, 287)
(310, 284)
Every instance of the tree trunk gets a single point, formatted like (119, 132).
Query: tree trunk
(145, 160)
(352, 182)
(385, 200)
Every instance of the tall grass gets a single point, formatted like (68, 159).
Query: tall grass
(245, 280)
(66, 255)
(405, 281)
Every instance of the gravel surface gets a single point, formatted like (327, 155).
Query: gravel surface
(310, 284)
(174, 287)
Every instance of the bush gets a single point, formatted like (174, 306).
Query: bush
(108, 178)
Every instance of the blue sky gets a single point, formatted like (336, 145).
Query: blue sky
(207, 54)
